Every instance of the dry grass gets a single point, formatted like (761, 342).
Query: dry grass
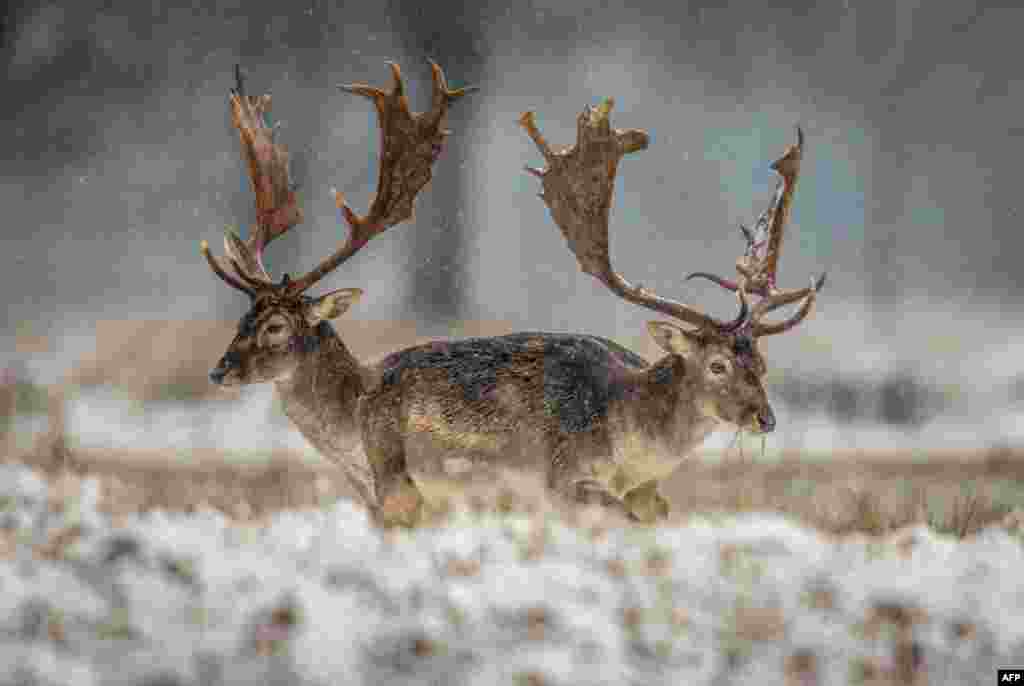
(866, 494)
(854, 495)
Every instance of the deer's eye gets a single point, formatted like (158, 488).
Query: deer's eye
(275, 329)
(717, 368)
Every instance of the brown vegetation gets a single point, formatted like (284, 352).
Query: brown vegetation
(851, 495)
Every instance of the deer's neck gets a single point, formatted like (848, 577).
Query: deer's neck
(663, 407)
(320, 397)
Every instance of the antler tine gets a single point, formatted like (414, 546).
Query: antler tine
(204, 250)
(443, 96)
(276, 203)
(724, 283)
(759, 263)
(788, 168)
(277, 208)
(410, 144)
(577, 188)
(808, 295)
(239, 88)
(758, 267)
(778, 215)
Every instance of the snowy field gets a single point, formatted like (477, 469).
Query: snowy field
(319, 597)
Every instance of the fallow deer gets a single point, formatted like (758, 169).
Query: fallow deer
(286, 337)
(595, 419)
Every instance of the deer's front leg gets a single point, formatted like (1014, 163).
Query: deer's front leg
(645, 504)
(593, 493)
(581, 490)
(398, 501)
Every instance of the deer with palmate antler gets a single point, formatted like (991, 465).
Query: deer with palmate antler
(286, 337)
(596, 420)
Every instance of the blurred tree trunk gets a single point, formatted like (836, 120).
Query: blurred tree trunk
(7, 408)
(434, 291)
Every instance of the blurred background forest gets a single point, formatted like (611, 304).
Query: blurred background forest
(119, 157)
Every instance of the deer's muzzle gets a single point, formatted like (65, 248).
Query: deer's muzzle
(766, 420)
(227, 363)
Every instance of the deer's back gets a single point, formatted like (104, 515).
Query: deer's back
(571, 376)
(446, 404)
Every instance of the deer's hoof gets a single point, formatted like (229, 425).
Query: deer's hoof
(404, 519)
(403, 508)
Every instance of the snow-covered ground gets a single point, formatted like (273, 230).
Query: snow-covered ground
(102, 418)
(322, 598)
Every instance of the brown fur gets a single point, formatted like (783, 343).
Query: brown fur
(426, 436)
(285, 337)
(590, 416)
(318, 380)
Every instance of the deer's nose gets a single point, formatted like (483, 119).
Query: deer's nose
(766, 419)
(226, 364)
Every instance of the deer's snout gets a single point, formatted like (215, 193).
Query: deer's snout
(766, 419)
(225, 365)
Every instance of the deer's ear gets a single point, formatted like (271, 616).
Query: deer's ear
(673, 339)
(332, 305)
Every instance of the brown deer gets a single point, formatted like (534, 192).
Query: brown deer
(595, 419)
(286, 337)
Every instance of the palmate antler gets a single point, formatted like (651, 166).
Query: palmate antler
(760, 262)
(410, 144)
(577, 188)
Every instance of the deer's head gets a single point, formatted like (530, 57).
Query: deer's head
(276, 334)
(283, 324)
(725, 373)
(724, 367)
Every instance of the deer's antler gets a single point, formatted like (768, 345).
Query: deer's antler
(577, 188)
(410, 143)
(277, 210)
(760, 262)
